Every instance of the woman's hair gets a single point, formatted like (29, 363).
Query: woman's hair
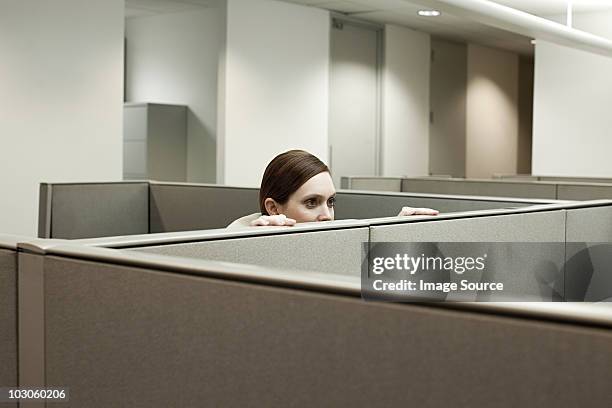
(285, 174)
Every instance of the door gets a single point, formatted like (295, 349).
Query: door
(354, 100)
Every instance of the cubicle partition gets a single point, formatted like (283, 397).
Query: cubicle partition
(8, 311)
(81, 210)
(122, 328)
(185, 207)
(494, 188)
(336, 247)
(531, 187)
(605, 180)
(88, 210)
(393, 184)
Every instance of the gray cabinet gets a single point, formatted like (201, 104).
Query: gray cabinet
(154, 142)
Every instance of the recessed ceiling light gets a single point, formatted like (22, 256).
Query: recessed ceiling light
(429, 13)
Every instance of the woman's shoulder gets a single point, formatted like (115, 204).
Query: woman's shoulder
(244, 221)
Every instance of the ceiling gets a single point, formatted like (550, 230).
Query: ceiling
(141, 8)
(404, 12)
(552, 7)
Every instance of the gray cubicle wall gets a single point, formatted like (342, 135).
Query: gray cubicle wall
(589, 242)
(85, 210)
(187, 207)
(509, 188)
(605, 180)
(583, 191)
(8, 311)
(322, 247)
(138, 330)
(393, 184)
(368, 204)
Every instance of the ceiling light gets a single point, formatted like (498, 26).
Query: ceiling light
(429, 13)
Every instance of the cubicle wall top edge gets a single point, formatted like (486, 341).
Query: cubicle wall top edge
(574, 313)
(476, 180)
(569, 205)
(373, 177)
(78, 183)
(130, 241)
(455, 197)
(309, 280)
(216, 234)
(181, 184)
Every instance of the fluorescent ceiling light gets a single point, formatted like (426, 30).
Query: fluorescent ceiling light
(428, 13)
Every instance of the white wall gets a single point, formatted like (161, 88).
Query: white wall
(61, 92)
(572, 130)
(405, 142)
(492, 112)
(173, 58)
(275, 90)
(572, 125)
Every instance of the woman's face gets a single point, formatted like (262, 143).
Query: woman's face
(313, 201)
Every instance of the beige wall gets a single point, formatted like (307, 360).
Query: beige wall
(492, 112)
(405, 142)
(448, 105)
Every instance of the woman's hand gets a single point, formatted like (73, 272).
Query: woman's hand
(273, 220)
(417, 211)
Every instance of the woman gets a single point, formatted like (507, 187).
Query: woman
(297, 187)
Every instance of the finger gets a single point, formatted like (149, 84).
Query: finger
(290, 222)
(406, 211)
(425, 211)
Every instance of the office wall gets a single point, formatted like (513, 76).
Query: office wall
(572, 95)
(275, 90)
(405, 142)
(492, 112)
(61, 90)
(174, 58)
(448, 95)
(572, 122)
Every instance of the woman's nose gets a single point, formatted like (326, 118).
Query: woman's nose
(325, 214)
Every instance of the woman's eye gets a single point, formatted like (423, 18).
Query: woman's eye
(312, 203)
(331, 202)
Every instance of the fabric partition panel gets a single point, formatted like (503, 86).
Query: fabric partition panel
(567, 191)
(141, 337)
(8, 319)
(576, 179)
(92, 210)
(176, 207)
(393, 184)
(334, 251)
(589, 254)
(356, 205)
(481, 188)
(549, 226)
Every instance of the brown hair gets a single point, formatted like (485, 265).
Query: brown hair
(286, 173)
